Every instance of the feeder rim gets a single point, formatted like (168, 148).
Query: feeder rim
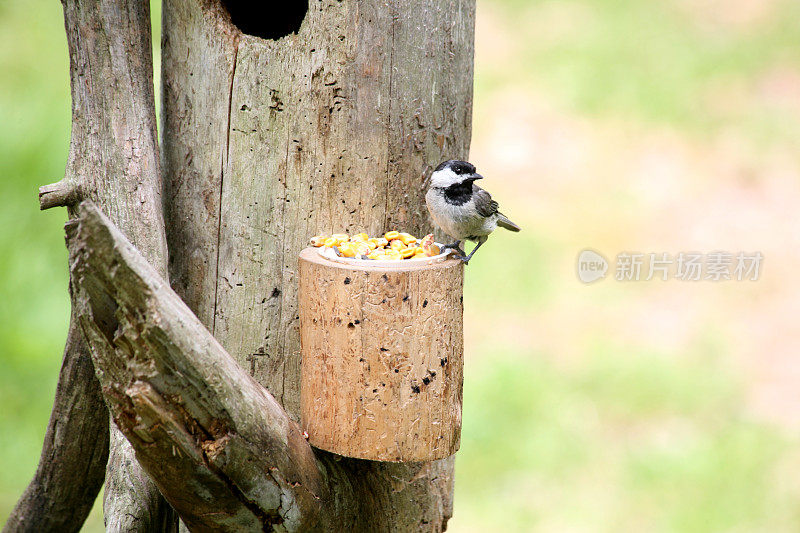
(312, 254)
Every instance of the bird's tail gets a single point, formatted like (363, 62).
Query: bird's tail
(504, 222)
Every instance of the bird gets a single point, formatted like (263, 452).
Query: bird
(461, 209)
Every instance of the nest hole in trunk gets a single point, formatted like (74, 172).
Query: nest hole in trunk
(267, 20)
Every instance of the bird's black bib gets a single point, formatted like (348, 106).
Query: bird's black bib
(458, 193)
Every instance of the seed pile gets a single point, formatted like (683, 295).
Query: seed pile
(392, 246)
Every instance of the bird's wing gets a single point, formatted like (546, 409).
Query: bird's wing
(484, 204)
(487, 207)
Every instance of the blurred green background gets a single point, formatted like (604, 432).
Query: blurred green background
(620, 125)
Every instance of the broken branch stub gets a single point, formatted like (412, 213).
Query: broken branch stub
(220, 448)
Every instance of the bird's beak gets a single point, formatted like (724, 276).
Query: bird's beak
(476, 177)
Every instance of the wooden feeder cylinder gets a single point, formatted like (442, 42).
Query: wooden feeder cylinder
(382, 351)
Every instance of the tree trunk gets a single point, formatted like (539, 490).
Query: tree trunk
(270, 141)
(114, 161)
(266, 141)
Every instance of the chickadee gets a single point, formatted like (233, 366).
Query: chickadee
(463, 210)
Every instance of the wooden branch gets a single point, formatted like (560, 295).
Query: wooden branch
(113, 160)
(75, 450)
(220, 448)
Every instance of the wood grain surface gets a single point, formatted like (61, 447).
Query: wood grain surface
(382, 358)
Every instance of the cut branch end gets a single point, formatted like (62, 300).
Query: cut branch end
(60, 194)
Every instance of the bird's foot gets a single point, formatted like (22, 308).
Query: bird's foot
(458, 253)
(456, 247)
(465, 258)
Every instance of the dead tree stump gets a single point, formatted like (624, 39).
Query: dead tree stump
(267, 142)
(273, 130)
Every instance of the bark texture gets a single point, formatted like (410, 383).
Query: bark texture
(382, 358)
(267, 142)
(222, 450)
(114, 161)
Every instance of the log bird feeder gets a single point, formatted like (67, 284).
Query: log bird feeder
(382, 350)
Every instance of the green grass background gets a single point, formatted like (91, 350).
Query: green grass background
(625, 437)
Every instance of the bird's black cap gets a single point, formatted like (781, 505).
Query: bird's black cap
(457, 166)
